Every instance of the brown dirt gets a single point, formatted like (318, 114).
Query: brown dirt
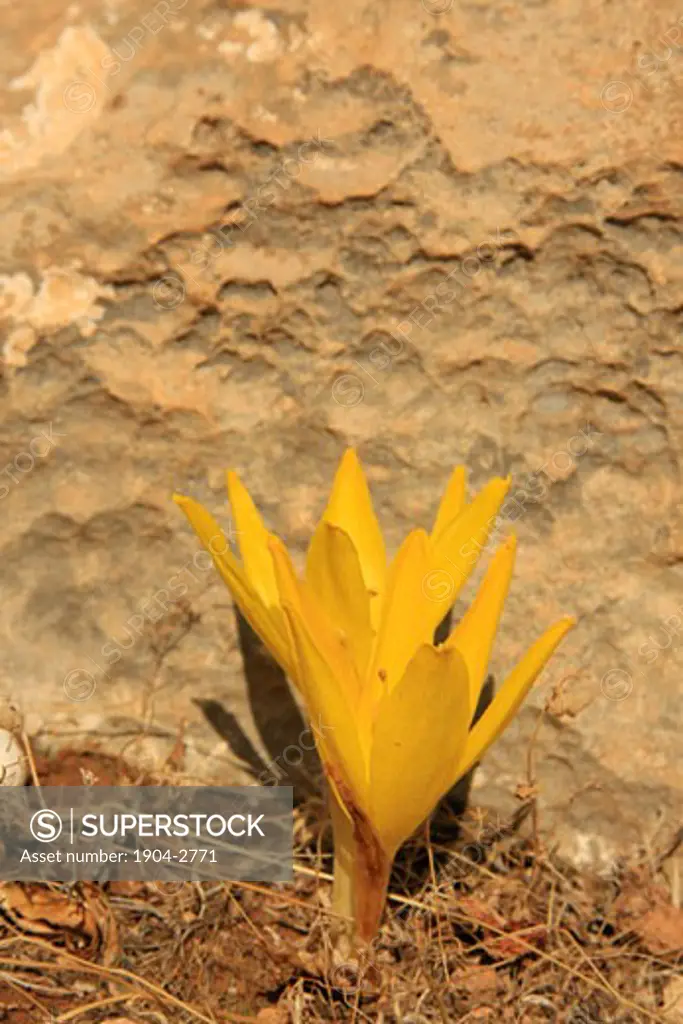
(489, 928)
(78, 768)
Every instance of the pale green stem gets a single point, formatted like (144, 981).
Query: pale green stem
(344, 862)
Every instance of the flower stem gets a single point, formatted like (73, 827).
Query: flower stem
(361, 874)
(344, 862)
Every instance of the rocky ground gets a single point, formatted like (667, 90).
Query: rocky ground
(247, 237)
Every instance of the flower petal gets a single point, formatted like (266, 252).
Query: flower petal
(334, 576)
(327, 676)
(406, 615)
(267, 623)
(475, 633)
(419, 726)
(512, 693)
(451, 504)
(456, 551)
(333, 644)
(350, 508)
(253, 541)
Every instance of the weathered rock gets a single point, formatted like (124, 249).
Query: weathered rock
(348, 159)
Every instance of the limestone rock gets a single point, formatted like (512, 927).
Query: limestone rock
(247, 238)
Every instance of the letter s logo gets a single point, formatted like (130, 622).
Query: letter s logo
(46, 826)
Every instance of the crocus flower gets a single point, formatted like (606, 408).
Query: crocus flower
(391, 710)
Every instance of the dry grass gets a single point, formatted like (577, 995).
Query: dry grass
(490, 927)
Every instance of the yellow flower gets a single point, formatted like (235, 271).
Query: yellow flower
(391, 711)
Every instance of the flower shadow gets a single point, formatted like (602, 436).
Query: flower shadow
(286, 740)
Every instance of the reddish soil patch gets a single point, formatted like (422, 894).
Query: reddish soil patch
(86, 768)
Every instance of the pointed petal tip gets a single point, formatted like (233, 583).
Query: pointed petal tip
(350, 456)
(506, 550)
(497, 485)
(233, 484)
(348, 477)
(350, 468)
(417, 537)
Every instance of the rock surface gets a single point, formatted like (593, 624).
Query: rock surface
(245, 237)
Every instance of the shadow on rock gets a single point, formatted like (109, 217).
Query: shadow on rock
(290, 755)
